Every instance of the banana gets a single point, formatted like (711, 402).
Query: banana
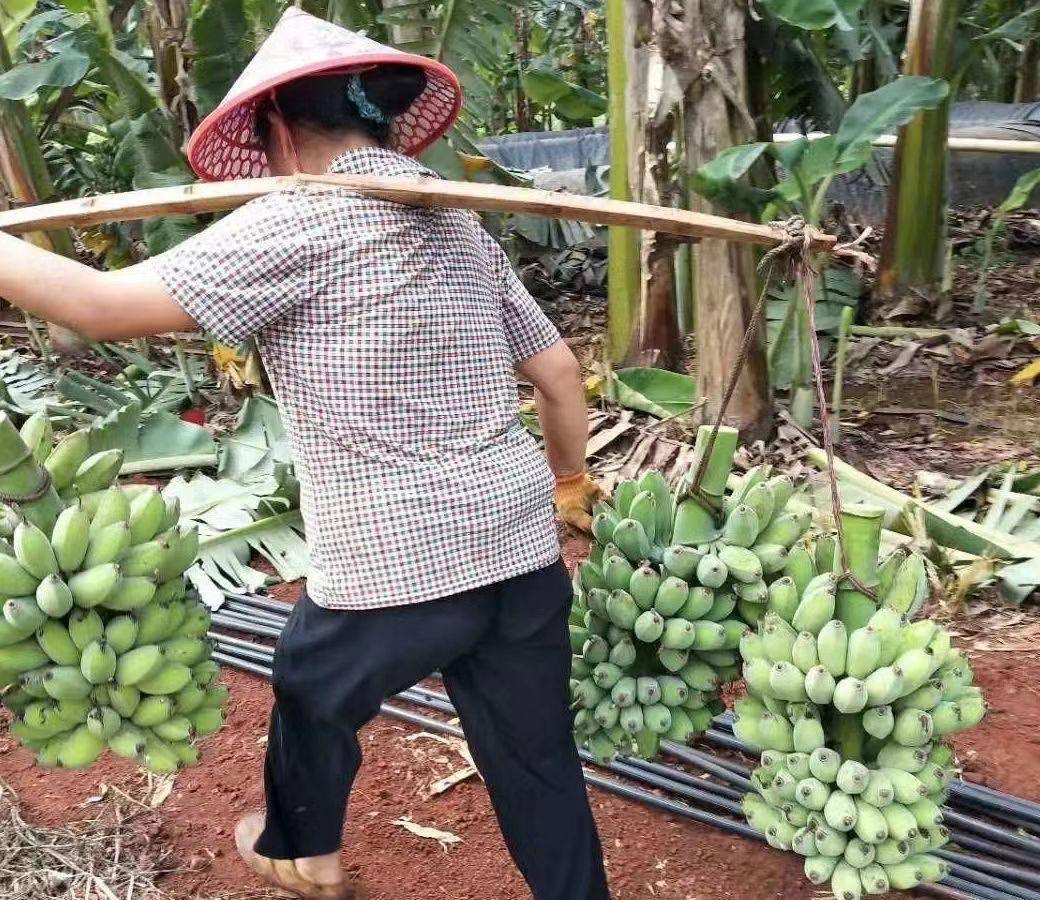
(123, 699)
(205, 673)
(174, 589)
(643, 586)
(761, 500)
(22, 657)
(145, 559)
(54, 597)
(216, 696)
(644, 511)
(97, 472)
(98, 662)
(743, 564)
(903, 593)
(671, 596)
(741, 528)
(878, 721)
(681, 561)
(152, 711)
(53, 638)
(85, 625)
(777, 638)
(92, 586)
(32, 549)
(15, 580)
(850, 695)
(185, 751)
(785, 528)
(10, 635)
(176, 728)
(172, 512)
(38, 436)
(158, 756)
(138, 664)
(107, 544)
(121, 633)
(147, 515)
(803, 652)
(772, 557)
(65, 459)
(103, 722)
(128, 742)
(648, 627)
(80, 749)
(840, 812)
(864, 652)
(23, 614)
(816, 609)
(832, 647)
(184, 549)
(30, 682)
(70, 538)
(800, 567)
(655, 482)
(130, 593)
(819, 685)
(47, 755)
(693, 524)
(631, 538)
(189, 698)
(722, 607)
(170, 679)
(712, 572)
(913, 728)
(66, 683)
(113, 507)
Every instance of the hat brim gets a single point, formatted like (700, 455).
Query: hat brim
(226, 146)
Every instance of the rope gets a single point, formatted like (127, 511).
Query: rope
(31, 496)
(794, 258)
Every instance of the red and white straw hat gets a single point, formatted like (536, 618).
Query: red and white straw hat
(225, 146)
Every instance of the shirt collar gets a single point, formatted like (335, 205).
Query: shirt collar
(377, 161)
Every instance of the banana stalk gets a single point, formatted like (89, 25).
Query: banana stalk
(21, 476)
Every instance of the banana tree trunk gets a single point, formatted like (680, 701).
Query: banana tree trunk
(1027, 83)
(725, 285)
(26, 181)
(644, 328)
(167, 22)
(913, 251)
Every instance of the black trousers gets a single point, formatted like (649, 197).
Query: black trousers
(504, 654)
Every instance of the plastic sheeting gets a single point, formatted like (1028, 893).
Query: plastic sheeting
(975, 178)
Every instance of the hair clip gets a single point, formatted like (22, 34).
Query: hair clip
(365, 107)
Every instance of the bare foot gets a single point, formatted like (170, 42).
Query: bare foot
(289, 875)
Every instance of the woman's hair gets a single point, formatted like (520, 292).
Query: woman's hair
(363, 102)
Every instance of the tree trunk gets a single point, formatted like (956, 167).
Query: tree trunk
(26, 181)
(1027, 84)
(644, 328)
(708, 44)
(913, 251)
(167, 22)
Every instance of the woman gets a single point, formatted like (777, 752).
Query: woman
(392, 336)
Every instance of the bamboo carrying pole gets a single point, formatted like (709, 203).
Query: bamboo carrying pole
(958, 144)
(421, 192)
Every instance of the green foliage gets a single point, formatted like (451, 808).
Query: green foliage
(1019, 197)
(816, 14)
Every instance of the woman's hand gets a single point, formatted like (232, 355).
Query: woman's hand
(575, 497)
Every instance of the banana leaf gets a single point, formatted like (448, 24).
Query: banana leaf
(658, 392)
(160, 443)
(258, 445)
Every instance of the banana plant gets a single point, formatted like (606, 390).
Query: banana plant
(807, 170)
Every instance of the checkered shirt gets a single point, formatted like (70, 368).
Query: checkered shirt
(390, 335)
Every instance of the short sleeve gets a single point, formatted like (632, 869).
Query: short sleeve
(244, 272)
(528, 329)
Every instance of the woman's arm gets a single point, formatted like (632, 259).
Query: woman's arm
(560, 398)
(101, 306)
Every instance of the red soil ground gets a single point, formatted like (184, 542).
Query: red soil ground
(649, 855)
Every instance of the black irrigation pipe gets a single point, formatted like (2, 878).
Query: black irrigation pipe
(1023, 876)
(226, 620)
(682, 777)
(969, 873)
(707, 763)
(988, 848)
(278, 606)
(957, 889)
(966, 823)
(970, 889)
(245, 611)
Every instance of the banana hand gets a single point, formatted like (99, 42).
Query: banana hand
(575, 497)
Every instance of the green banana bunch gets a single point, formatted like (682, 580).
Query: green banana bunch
(100, 644)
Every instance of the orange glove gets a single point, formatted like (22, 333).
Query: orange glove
(575, 497)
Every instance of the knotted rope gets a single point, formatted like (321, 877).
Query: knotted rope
(793, 261)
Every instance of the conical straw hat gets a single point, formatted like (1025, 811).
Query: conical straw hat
(226, 146)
